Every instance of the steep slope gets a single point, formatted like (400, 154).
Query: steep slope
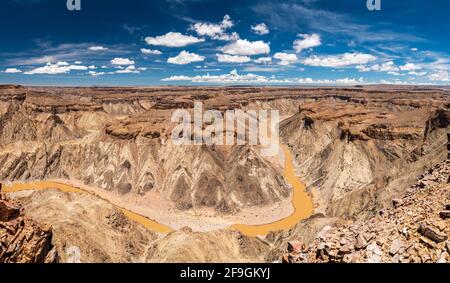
(187, 246)
(93, 143)
(86, 228)
(21, 239)
(414, 229)
(356, 158)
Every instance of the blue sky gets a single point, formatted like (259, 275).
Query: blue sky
(196, 42)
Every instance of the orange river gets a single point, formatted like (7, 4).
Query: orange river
(302, 202)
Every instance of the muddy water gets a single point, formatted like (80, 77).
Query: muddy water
(302, 203)
(42, 185)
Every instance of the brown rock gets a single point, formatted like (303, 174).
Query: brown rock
(22, 240)
(427, 243)
(296, 246)
(442, 258)
(8, 211)
(346, 249)
(285, 258)
(360, 242)
(395, 259)
(445, 214)
(447, 246)
(432, 234)
(396, 246)
(397, 202)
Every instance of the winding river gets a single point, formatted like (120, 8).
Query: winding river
(301, 201)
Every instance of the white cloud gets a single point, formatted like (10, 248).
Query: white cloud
(394, 82)
(150, 51)
(414, 49)
(263, 60)
(128, 70)
(246, 48)
(98, 48)
(390, 68)
(122, 61)
(420, 74)
(439, 76)
(384, 67)
(344, 81)
(285, 58)
(410, 67)
(185, 57)
(12, 71)
(225, 58)
(173, 39)
(260, 29)
(78, 62)
(306, 41)
(339, 61)
(96, 74)
(261, 69)
(216, 31)
(234, 77)
(61, 67)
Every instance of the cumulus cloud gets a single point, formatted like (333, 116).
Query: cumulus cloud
(306, 41)
(260, 29)
(122, 62)
(150, 51)
(234, 77)
(98, 48)
(285, 58)
(173, 39)
(216, 31)
(128, 70)
(384, 67)
(12, 71)
(391, 68)
(185, 57)
(439, 76)
(340, 60)
(410, 67)
(61, 67)
(246, 48)
(263, 60)
(225, 58)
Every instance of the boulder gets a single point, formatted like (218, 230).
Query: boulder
(8, 211)
(396, 246)
(445, 214)
(432, 233)
(361, 242)
(296, 247)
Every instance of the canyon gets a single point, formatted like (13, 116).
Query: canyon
(98, 165)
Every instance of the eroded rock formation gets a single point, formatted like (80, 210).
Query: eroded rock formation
(21, 239)
(413, 229)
